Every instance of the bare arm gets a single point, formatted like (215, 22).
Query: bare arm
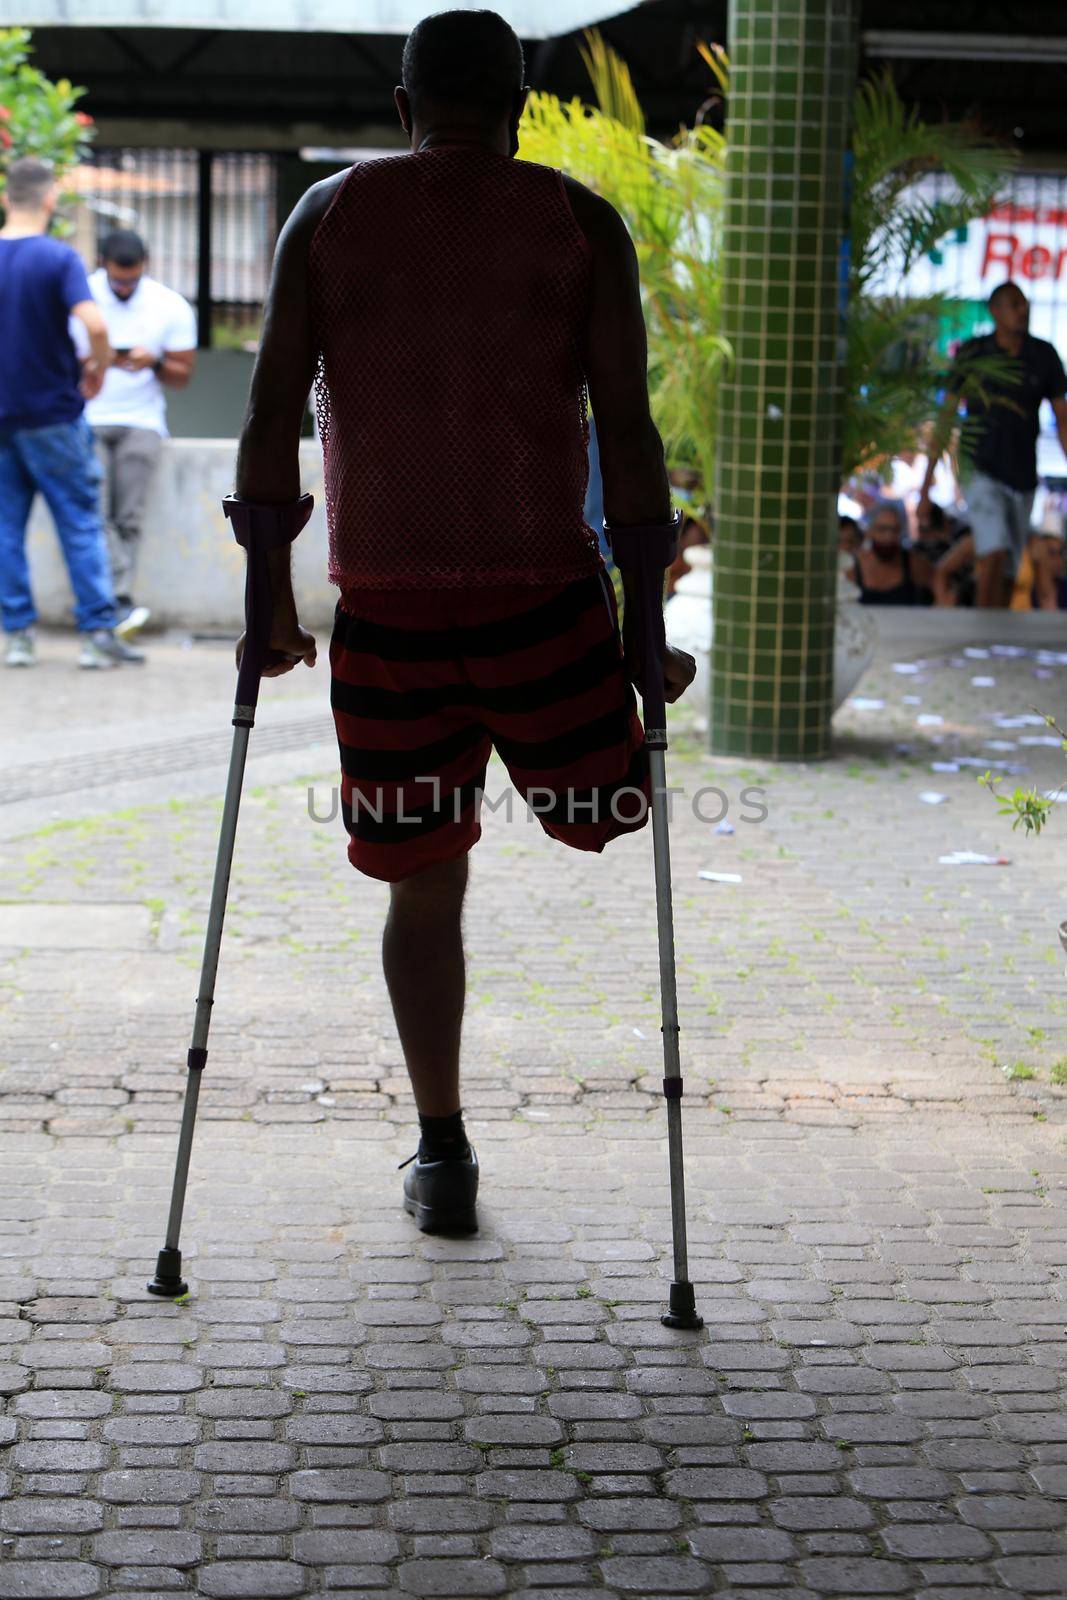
(955, 560)
(944, 423)
(636, 488)
(101, 354)
(268, 452)
(1059, 411)
(268, 467)
(176, 368)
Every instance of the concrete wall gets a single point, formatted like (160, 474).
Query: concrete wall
(192, 571)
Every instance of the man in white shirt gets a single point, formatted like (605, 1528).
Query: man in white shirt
(152, 330)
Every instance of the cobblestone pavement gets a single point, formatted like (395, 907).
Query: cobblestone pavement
(875, 1116)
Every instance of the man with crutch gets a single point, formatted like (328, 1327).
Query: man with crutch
(452, 306)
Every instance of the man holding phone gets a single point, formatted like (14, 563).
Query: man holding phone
(153, 332)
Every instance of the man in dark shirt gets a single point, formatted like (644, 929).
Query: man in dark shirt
(1000, 478)
(46, 445)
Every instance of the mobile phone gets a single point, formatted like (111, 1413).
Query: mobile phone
(124, 352)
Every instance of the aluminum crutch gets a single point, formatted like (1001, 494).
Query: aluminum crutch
(643, 555)
(259, 529)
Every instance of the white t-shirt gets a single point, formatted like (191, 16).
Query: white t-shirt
(157, 319)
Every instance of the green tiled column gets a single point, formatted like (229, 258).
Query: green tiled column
(792, 71)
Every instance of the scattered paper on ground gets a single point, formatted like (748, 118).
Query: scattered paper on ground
(972, 858)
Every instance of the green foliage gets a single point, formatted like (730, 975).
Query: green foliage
(38, 117)
(1030, 810)
(893, 368)
(670, 196)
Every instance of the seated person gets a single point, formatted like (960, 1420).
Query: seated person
(883, 564)
(936, 534)
(849, 535)
(1037, 585)
(1039, 581)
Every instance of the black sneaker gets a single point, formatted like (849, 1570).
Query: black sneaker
(440, 1195)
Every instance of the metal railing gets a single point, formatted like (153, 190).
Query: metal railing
(208, 218)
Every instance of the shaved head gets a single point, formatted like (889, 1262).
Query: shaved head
(463, 61)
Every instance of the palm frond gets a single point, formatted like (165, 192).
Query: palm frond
(716, 58)
(893, 371)
(669, 195)
(612, 83)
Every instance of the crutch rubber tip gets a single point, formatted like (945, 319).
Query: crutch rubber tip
(168, 1280)
(683, 1307)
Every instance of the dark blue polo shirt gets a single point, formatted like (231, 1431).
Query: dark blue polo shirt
(40, 280)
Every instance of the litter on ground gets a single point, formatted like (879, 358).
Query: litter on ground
(972, 858)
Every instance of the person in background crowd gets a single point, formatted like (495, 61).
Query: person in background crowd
(697, 520)
(46, 445)
(999, 484)
(153, 333)
(1035, 587)
(907, 476)
(882, 567)
(935, 533)
(849, 540)
(934, 536)
(953, 580)
(1056, 555)
(849, 536)
(1039, 578)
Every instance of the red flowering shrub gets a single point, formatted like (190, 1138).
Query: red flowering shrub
(37, 116)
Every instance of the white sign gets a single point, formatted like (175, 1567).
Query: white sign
(1024, 238)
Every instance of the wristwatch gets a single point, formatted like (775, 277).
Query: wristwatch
(157, 365)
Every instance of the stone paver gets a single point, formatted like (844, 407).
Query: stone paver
(345, 1408)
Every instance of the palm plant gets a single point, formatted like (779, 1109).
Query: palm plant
(670, 196)
(893, 368)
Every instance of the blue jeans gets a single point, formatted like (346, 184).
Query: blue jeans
(60, 463)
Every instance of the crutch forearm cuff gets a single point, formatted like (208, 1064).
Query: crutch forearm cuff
(268, 527)
(638, 544)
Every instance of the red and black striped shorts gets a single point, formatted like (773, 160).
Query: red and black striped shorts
(426, 684)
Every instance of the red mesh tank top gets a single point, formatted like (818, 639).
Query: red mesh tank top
(448, 295)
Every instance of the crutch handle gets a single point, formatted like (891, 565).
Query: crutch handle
(259, 530)
(644, 552)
